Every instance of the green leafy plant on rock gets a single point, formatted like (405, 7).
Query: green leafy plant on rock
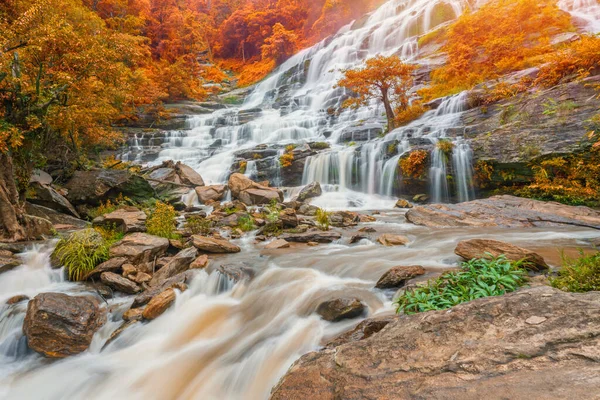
(246, 223)
(161, 221)
(323, 219)
(81, 252)
(581, 274)
(477, 278)
(197, 225)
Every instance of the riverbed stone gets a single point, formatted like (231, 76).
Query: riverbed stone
(127, 219)
(398, 276)
(17, 299)
(140, 247)
(119, 283)
(200, 262)
(187, 175)
(206, 194)
(252, 193)
(93, 187)
(339, 309)
(483, 248)
(237, 272)
(111, 265)
(159, 304)
(403, 203)
(176, 265)
(312, 236)
(58, 325)
(277, 244)
(47, 196)
(213, 245)
(389, 239)
(310, 191)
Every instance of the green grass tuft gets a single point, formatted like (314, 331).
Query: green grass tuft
(579, 275)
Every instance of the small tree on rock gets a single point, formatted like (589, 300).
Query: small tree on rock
(385, 78)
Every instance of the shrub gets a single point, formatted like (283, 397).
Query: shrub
(410, 113)
(579, 275)
(109, 206)
(81, 252)
(161, 221)
(243, 166)
(477, 278)
(246, 223)
(286, 160)
(415, 165)
(445, 146)
(198, 225)
(323, 219)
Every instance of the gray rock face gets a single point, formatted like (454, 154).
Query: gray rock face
(339, 309)
(482, 347)
(47, 196)
(503, 211)
(361, 133)
(140, 248)
(310, 191)
(57, 325)
(93, 187)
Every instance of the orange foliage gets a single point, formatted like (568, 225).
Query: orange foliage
(415, 165)
(500, 37)
(410, 113)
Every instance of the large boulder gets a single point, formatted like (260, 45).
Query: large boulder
(483, 248)
(57, 325)
(311, 236)
(126, 219)
(210, 193)
(140, 247)
(187, 175)
(503, 211)
(47, 196)
(176, 265)
(310, 191)
(212, 245)
(339, 309)
(93, 187)
(252, 193)
(534, 343)
(398, 276)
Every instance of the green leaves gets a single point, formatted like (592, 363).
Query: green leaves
(579, 275)
(477, 278)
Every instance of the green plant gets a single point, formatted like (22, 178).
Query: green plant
(246, 223)
(198, 225)
(81, 252)
(323, 219)
(111, 233)
(477, 278)
(243, 166)
(445, 146)
(581, 274)
(319, 145)
(161, 221)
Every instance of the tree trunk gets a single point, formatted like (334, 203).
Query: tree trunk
(11, 210)
(389, 111)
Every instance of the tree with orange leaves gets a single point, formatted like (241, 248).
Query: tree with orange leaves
(280, 45)
(387, 79)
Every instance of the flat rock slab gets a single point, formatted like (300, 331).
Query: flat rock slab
(140, 247)
(313, 236)
(503, 211)
(482, 248)
(212, 245)
(128, 220)
(493, 348)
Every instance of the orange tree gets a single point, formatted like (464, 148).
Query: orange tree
(387, 79)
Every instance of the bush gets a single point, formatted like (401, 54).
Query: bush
(323, 220)
(477, 278)
(198, 225)
(415, 165)
(109, 206)
(81, 252)
(161, 221)
(246, 223)
(579, 275)
(286, 160)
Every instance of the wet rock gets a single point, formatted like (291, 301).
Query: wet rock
(310, 191)
(288, 218)
(362, 331)
(312, 244)
(361, 132)
(366, 218)
(237, 272)
(133, 314)
(312, 236)
(181, 262)
(338, 309)
(388, 239)
(504, 211)
(140, 247)
(398, 276)
(159, 304)
(479, 248)
(428, 355)
(308, 209)
(126, 219)
(207, 194)
(200, 262)
(187, 175)
(111, 265)
(117, 332)
(367, 229)
(59, 220)
(344, 218)
(47, 196)
(17, 299)
(8, 261)
(119, 283)
(402, 203)
(93, 187)
(252, 193)
(277, 244)
(178, 282)
(232, 220)
(128, 270)
(57, 325)
(100, 289)
(212, 245)
(358, 237)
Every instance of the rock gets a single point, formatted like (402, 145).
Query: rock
(398, 276)
(126, 219)
(277, 244)
(119, 283)
(237, 272)
(100, 288)
(159, 304)
(141, 277)
(344, 218)
(46, 196)
(364, 330)
(117, 332)
(111, 265)
(17, 299)
(288, 218)
(310, 191)
(140, 247)
(250, 192)
(41, 177)
(57, 325)
(504, 211)
(187, 175)
(312, 244)
(58, 219)
(311, 236)
(207, 194)
(128, 270)
(366, 218)
(200, 262)
(401, 203)
(93, 187)
(358, 237)
(388, 239)
(133, 314)
(308, 209)
(338, 309)
(212, 245)
(178, 264)
(367, 229)
(8, 261)
(477, 248)
(177, 282)
(483, 347)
